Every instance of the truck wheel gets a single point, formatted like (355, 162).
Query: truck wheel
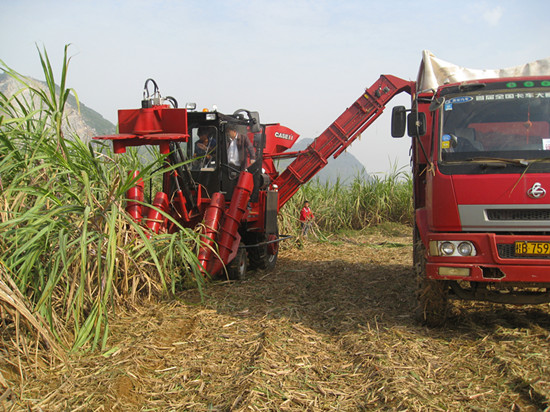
(432, 295)
(236, 270)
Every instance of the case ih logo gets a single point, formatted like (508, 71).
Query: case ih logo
(536, 191)
(285, 136)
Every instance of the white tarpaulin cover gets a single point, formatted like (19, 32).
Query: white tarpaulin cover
(434, 72)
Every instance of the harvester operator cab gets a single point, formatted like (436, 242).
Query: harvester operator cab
(221, 146)
(204, 141)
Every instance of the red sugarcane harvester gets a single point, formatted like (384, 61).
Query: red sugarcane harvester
(480, 168)
(236, 204)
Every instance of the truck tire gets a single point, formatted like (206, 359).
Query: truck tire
(432, 295)
(236, 270)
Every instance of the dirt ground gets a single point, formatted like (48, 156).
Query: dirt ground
(330, 329)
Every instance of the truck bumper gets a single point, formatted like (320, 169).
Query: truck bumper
(495, 259)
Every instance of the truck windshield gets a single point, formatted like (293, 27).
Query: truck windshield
(497, 123)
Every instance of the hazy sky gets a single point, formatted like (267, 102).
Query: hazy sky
(300, 63)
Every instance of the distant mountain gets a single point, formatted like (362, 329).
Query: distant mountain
(86, 124)
(346, 167)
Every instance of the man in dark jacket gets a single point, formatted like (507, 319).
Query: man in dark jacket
(238, 147)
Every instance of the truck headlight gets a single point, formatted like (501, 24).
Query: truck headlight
(452, 248)
(447, 248)
(465, 248)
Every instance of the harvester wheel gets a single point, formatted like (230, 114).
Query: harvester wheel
(432, 295)
(236, 270)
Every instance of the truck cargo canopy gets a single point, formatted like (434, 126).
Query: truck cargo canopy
(435, 72)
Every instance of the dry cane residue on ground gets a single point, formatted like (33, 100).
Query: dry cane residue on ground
(330, 329)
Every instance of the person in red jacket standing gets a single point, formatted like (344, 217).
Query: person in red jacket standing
(306, 217)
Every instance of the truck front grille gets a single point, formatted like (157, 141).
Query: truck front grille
(507, 251)
(518, 214)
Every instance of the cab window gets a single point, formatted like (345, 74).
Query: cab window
(204, 141)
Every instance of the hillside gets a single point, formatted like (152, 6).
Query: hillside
(85, 124)
(346, 167)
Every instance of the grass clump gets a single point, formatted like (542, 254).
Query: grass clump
(66, 243)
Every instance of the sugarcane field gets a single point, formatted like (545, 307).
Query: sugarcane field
(332, 328)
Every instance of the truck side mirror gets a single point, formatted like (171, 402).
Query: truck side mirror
(416, 124)
(398, 121)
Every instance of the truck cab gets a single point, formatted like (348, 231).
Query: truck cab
(481, 171)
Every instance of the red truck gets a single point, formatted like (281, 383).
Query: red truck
(481, 172)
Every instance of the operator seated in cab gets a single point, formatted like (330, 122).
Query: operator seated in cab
(205, 148)
(240, 151)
